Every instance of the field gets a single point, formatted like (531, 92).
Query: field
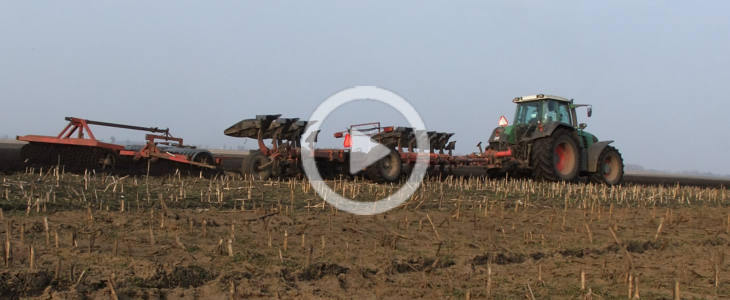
(76, 236)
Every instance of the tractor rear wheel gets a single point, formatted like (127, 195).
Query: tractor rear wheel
(556, 158)
(610, 168)
(259, 166)
(387, 169)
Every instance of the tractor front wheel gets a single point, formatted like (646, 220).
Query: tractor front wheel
(556, 158)
(610, 168)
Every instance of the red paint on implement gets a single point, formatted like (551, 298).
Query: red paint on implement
(81, 128)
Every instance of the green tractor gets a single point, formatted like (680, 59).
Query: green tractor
(546, 142)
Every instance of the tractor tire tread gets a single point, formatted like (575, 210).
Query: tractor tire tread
(597, 177)
(542, 156)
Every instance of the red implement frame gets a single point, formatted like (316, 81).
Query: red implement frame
(488, 159)
(288, 153)
(75, 125)
(85, 138)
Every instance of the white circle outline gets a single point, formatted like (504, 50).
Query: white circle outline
(399, 104)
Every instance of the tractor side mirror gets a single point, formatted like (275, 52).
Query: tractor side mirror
(590, 111)
(582, 126)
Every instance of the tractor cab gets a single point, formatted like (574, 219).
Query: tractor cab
(544, 109)
(537, 116)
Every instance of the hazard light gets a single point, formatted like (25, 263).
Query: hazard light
(338, 134)
(503, 122)
(348, 141)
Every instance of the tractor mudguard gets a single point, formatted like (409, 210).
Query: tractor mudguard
(594, 151)
(547, 130)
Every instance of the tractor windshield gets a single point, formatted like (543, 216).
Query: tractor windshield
(557, 112)
(527, 112)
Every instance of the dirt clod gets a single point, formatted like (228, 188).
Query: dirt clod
(640, 247)
(13, 286)
(418, 264)
(500, 258)
(319, 270)
(190, 276)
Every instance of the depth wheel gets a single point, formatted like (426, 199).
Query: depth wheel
(260, 166)
(204, 158)
(387, 169)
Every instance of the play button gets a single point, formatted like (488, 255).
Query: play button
(365, 151)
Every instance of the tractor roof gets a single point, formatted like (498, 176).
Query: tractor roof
(538, 97)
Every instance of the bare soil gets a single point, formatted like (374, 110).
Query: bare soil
(197, 238)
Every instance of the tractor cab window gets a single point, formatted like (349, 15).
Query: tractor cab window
(527, 113)
(557, 112)
(564, 114)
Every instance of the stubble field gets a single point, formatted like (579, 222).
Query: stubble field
(77, 236)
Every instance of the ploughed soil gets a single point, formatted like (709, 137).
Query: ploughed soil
(213, 240)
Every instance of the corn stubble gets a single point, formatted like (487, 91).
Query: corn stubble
(454, 238)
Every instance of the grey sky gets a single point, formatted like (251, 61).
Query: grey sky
(656, 72)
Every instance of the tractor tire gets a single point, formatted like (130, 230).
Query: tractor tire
(610, 168)
(387, 169)
(259, 166)
(556, 158)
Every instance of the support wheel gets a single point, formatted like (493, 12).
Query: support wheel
(259, 166)
(610, 168)
(204, 158)
(556, 158)
(387, 169)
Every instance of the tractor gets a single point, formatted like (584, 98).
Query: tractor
(547, 143)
